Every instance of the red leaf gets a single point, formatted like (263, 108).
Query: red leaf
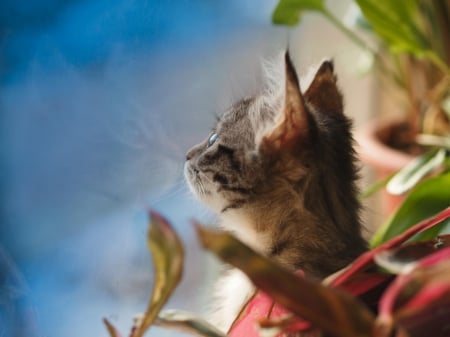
(331, 310)
(407, 256)
(418, 301)
(366, 259)
(361, 283)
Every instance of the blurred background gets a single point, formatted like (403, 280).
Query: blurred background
(99, 102)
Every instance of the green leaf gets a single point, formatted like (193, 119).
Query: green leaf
(288, 12)
(167, 253)
(326, 308)
(428, 198)
(396, 23)
(187, 322)
(375, 187)
(412, 173)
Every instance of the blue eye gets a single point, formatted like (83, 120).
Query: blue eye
(212, 139)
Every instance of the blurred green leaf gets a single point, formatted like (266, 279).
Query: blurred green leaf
(326, 308)
(376, 187)
(396, 23)
(426, 199)
(288, 12)
(187, 322)
(167, 253)
(412, 173)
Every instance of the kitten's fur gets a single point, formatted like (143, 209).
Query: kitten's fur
(279, 169)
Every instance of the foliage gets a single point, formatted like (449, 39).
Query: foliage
(167, 252)
(416, 170)
(414, 48)
(428, 198)
(399, 288)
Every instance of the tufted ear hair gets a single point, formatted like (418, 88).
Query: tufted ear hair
(291, 123)
(323, 94)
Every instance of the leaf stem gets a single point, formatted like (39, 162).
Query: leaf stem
(360, 43)
(344, 29)
(438, 62)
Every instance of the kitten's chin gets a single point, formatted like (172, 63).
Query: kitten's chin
(213, 201)
(190, 178)
(202, 190)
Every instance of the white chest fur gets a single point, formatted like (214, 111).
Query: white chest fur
(232, 291)
(243, 228)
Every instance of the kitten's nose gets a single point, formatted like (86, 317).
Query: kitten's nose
(196, 150)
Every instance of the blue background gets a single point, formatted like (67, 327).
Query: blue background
(99, 102)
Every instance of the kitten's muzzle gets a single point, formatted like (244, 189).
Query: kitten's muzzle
(190, 172)
(196, 150)
(189, 155)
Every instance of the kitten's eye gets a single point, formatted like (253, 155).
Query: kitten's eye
(212, 139)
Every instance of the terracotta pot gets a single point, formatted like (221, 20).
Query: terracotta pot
(383, 159)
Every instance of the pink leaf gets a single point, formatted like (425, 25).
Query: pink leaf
(418, 300)
(366, 259)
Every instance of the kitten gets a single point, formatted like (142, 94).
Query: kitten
(279, 169)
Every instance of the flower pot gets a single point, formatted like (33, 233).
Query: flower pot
(373, 151)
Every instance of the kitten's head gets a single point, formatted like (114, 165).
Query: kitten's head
(270, 149)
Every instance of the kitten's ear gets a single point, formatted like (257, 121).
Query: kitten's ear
(291, 124)
(323, 94)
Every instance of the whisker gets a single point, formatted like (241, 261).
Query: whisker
(225, 185)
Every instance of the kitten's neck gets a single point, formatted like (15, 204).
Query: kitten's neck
(300, 235)
(246, 228)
